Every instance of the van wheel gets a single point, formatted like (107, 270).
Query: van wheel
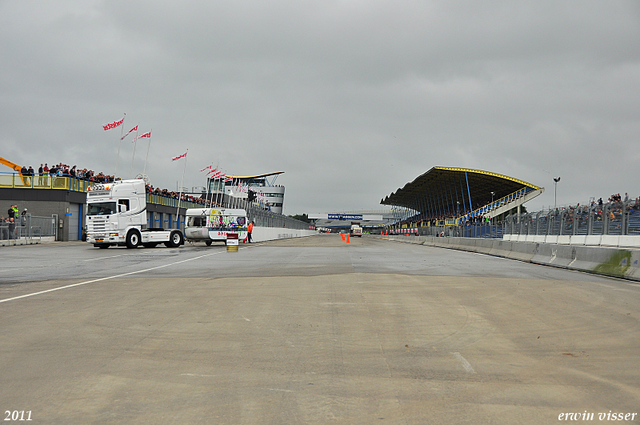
(175, 240)
(133, 239)
(208, 243)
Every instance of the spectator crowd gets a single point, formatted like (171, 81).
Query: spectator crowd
(8, 229)
(64, 170)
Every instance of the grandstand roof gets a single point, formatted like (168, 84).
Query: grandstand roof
(449, 190)
(257, 176)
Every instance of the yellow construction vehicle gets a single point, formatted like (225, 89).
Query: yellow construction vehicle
(25, 179)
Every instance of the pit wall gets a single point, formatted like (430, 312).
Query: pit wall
(261, 234)
(608, 261)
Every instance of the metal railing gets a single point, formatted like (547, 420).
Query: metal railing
(261, 216)
(169, 201)
(611, 219)
(30, 227)
(17, 181)
(265, 218)
(617, 218)
(481, 230)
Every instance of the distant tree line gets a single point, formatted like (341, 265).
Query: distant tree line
(301, 217)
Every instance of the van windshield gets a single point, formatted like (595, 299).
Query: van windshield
(197, 221)
(101, 208)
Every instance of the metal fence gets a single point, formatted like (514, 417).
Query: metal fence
(617, 218)
(611, 219)
(484, 230)
(261, 216)
(30, 227)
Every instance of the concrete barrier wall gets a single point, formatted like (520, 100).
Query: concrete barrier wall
(27, 241)
(625, 241)
(261, 234)
(609, 261)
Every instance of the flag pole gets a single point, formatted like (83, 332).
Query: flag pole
(145, 160)
(237, 202)
(231, 197)
(209, 201)
(115, 174)
(216, 186)
(206, 199)
(181, 184)
(135, 141)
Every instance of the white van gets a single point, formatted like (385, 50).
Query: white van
(212, 224)
(355, 230)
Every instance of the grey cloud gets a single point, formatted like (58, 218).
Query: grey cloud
(350, 99)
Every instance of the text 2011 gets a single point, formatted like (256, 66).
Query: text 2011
(17, 415)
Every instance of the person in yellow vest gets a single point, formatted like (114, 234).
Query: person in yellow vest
(249, 230)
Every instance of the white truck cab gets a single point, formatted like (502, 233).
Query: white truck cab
(117, 215)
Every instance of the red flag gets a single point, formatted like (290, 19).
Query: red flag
(184, 155)
(147, 135)
(228, 179)
(113, 124)
(212, 171)
(208, 167)
(130, 131)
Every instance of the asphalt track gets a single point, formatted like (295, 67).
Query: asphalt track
(310, 331)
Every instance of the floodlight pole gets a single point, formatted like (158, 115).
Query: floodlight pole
(555, 192)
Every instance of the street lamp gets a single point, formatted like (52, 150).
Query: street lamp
(555, 192)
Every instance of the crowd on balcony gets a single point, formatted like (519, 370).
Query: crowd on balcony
(183, 197)
(64, 170)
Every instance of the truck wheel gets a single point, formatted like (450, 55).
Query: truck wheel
(175, 240)
(133, 239)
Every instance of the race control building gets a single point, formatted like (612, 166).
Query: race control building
(272, 195)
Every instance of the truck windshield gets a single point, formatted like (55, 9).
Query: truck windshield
(101, 208)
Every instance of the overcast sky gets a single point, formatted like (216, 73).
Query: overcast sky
(351, 99)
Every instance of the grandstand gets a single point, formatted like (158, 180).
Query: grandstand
(449, 196)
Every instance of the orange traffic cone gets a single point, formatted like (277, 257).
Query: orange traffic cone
(342, 234)
(348, 241)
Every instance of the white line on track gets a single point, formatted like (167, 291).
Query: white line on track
(465, 364)
(278, 389)
(108, 277)
(198, 375)
(104, 258)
